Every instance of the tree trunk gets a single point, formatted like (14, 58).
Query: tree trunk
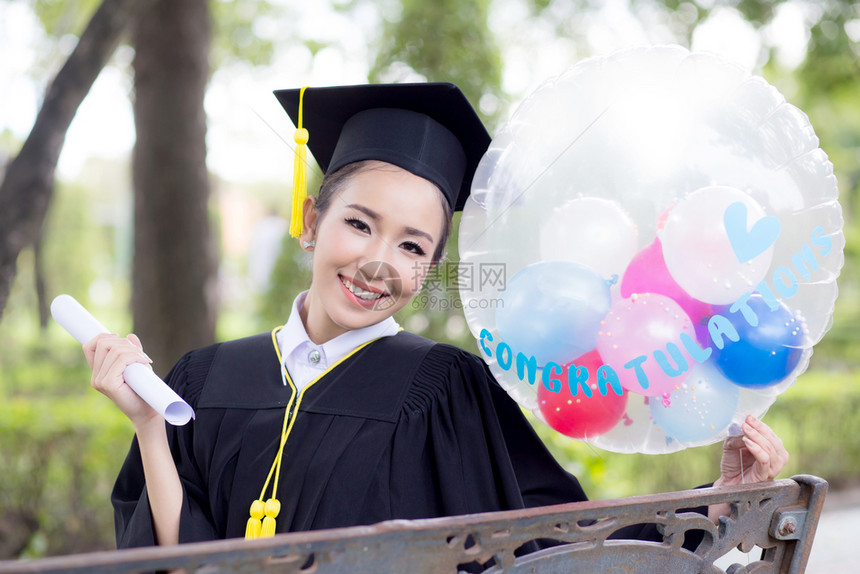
(173, 272)
(29, 180)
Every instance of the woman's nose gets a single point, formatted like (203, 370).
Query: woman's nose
(380, 251)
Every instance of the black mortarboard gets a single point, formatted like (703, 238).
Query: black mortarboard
(429, 129)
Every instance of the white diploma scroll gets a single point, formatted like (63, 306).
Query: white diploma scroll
(81, 325)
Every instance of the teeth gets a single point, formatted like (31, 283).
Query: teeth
(359, 292)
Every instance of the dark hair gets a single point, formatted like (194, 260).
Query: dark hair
(334, 182)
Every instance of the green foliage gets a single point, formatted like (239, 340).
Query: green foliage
(60, 456)
(758, 12)
(446, 40)
(81, 248)
(245, 31)
(833, 59)
(60, 17)
(290, 276)
(828, 89)
(61, 443)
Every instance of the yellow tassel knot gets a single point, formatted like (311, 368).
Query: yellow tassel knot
(301, 136)
(253, 528)
(273, 508)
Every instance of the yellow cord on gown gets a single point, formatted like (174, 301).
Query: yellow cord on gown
(261, 524)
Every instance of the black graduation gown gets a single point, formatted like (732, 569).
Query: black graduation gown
(405, 428)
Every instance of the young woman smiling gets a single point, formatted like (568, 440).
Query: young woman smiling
(339, 417)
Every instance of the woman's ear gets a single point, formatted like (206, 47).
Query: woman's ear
(309, 221)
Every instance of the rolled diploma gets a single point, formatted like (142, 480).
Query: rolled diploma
(81, 325)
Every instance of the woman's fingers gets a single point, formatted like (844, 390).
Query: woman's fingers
(136, 342)
(733, 443)
(92, 348)
(773, 440)
(116, 362)
(756, 456)
(112, 355)
(766, 447)
(761, 468)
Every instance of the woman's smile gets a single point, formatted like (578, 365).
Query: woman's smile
(365, 297)
(366, 292)
(374, 245)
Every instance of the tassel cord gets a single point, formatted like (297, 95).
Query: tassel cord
(268, 510)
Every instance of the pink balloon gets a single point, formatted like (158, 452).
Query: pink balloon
(647, 273)
(640, 339)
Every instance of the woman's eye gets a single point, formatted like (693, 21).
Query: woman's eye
(358, 224)
(413, 247)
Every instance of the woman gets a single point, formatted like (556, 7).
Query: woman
(341, 418)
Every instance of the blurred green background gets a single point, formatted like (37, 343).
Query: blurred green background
(61, 444)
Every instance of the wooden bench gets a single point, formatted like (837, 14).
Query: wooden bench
(779, 517)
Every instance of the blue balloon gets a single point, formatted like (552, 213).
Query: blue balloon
(552, 310)
(700, 408)
(765, 353)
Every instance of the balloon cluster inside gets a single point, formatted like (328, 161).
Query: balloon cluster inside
(670, 237)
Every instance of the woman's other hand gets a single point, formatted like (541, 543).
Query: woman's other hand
(756, 456)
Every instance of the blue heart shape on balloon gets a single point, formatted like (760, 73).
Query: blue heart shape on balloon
(749, 244)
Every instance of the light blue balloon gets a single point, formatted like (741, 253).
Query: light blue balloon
(552, 310)
(701, 408)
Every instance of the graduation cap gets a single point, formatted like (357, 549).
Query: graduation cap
(429, 129)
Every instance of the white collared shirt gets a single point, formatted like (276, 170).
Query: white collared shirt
(305, 360)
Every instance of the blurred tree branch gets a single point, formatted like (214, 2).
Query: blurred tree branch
(28, 183)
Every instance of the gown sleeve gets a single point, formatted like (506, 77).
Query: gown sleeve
(480, 451)
(132, 515)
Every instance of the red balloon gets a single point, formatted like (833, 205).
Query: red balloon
(581, 416)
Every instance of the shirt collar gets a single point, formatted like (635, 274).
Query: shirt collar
(294, 334)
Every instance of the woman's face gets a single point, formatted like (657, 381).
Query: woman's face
(374, 247)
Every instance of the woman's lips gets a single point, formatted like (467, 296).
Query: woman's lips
(366, 303)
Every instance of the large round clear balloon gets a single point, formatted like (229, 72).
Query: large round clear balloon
(665, 172)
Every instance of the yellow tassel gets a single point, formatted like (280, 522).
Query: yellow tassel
(252, 529)
(273, 507)
(300, 191)
(268, 528)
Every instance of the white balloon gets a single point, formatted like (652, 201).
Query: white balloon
(571, 231)
(699, 253)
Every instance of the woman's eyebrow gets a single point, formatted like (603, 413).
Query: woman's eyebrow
(419, 233)
(369, 212)
(376, 217)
